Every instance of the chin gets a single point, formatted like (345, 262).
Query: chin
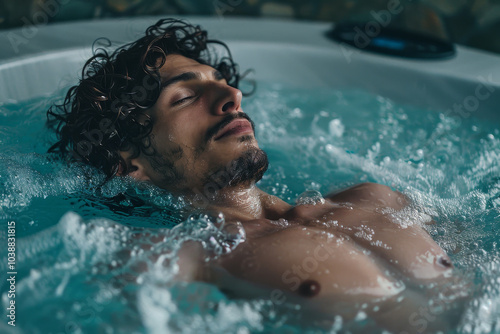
(248, 167)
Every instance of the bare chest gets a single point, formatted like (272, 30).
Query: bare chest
(342, 250)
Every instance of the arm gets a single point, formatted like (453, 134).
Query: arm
(190, 262)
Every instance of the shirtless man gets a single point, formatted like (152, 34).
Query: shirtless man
(159, 110)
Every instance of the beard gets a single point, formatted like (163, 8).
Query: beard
(247, 169)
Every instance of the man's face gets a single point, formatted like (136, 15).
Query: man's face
(199, 131)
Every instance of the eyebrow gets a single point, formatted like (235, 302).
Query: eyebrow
(186, 76)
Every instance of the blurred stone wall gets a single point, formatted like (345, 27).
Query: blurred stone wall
(470, 22)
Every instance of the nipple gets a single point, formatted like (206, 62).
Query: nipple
(309, 288)
(444, 262)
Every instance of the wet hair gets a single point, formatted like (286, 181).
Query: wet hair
(105, 112)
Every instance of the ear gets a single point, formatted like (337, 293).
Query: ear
(134, 167)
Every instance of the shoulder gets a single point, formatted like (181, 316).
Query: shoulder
(371, 194)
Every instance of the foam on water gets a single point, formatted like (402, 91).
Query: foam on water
(99, 264)
(108, 264)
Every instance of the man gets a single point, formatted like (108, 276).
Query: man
(164, 110)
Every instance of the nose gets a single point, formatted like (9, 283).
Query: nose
(228, 99)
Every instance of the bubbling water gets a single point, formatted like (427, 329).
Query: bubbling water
(114, 251)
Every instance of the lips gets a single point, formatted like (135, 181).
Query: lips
(236, 127)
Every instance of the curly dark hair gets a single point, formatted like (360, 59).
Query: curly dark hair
(104, 113)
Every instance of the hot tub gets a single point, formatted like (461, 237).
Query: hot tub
(64, 260)
(36, 61)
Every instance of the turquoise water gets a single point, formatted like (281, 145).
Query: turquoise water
(78, 271)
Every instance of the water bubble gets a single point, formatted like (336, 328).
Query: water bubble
(310, 197)
(336, 128)
(360, 316)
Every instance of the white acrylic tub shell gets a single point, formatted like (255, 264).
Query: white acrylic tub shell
(294, 53)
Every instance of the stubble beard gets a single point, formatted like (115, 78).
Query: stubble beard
(245, 170)
(248, 169)
(242, 172)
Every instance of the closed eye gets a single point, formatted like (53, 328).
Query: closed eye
(184, 99)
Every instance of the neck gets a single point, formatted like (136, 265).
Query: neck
(243, 203)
